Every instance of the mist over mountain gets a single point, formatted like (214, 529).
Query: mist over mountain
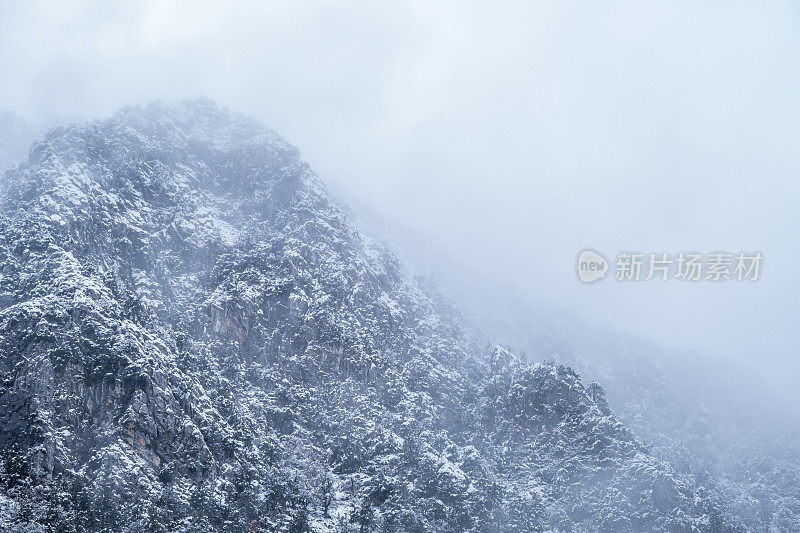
(711, 416)
(15, 138)
(193, 337)
(708, 417)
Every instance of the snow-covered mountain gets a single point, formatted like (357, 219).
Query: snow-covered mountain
(193, 337)
(711, 419)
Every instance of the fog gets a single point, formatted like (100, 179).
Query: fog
(492, 142)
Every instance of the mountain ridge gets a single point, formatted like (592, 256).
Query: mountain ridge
(195, 338)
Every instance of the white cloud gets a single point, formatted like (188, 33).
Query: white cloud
(514, 134)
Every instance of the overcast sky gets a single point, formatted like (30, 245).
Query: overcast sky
(506, 137)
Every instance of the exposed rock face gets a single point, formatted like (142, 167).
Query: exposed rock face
(193, 338)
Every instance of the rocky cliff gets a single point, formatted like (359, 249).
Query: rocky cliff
(194, 338)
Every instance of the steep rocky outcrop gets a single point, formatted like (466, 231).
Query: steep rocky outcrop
(194, 338)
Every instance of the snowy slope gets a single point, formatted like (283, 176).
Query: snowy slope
(194, 338)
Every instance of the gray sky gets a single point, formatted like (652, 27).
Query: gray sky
(505, 137)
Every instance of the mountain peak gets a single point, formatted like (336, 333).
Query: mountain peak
(146, 166)
(191, 331)
(199, 121)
